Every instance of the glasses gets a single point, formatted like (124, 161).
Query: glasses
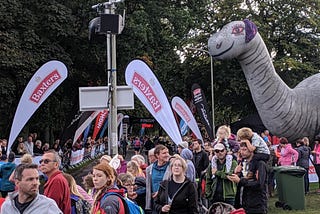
(128, 184)
(219, 151)
(46, 161)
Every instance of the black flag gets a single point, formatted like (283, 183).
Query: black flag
(200, 102)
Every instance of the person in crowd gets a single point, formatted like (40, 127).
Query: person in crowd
(105, 159)
(123, 165)
(187, 155)
(127, 181)
(251, 190)
(3, 146)
(303, 161)
(45, 147)
(219, 188)
(182, 145)
(316, 159)
(207, 146)
(306, 141)
(136, 188)
(57, 186)
(104, 183)
(37, 150)
(201, 163)
(6, 170)
(56, 146)
(177, 194)
(155, 173)
(256, 144)
(25, 159)
(141, 162)
(27, 199)
(15, 144)
(288, 155)
(21, 149)
(87, 182)
(148, 145)
(224, 136)
(124, 145)
(133, 168)
(151, 156)
(29, 145)
(80, 200)
(272, 162)
(137, 145)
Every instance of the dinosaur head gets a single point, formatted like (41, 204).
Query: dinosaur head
(232, 39)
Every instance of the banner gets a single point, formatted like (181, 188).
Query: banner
(105, 126)
(148, 89)
(86, 133)
(47, 78)
(183, 127)
(76, 121)
(84, 125)
(76, 156)
(103, 115)
(202, 108)
(119, 125)
(186, 115)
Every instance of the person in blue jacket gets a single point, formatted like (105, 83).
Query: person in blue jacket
(5, 172)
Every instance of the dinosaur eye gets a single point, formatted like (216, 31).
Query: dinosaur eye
(237, 29)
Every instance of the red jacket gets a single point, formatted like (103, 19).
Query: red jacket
(57, 188)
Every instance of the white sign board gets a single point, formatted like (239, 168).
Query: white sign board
(96, 98)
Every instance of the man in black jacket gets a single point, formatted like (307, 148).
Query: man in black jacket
(252, 188)
(200, 161)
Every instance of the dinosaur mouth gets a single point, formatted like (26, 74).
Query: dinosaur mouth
(224, 51)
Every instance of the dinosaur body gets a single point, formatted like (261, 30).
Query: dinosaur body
(291, 113)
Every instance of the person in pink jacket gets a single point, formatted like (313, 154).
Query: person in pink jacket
(316, 158)
(288, 155)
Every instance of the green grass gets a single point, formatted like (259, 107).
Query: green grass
(311, 203)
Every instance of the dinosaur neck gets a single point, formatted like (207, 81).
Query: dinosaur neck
(270, 94)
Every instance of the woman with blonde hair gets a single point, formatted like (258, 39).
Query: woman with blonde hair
(133, 168)
(79, 203)
(106, 199)
(178, 194)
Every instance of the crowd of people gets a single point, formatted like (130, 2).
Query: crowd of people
(159, 178)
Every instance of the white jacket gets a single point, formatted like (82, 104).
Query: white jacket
(41, 204)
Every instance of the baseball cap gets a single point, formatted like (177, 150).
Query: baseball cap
(219, 146)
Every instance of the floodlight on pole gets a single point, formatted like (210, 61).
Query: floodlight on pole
(212, 82)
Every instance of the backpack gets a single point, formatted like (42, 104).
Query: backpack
(130, 206)
(79, 206)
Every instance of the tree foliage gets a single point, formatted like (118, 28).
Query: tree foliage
(34, 32)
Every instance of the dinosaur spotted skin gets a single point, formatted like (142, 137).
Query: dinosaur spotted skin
(286, 112)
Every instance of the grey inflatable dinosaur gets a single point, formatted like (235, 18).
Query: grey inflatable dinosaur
(291, 113)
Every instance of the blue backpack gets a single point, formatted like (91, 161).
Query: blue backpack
(130, 206)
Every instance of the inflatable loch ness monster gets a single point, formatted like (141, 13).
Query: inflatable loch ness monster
(286, 112)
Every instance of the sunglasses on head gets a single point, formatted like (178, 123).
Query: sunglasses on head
(46, 161)
(217, 151)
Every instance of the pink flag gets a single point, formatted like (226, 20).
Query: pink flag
(185, 113)
(148, 89)
(42, 84)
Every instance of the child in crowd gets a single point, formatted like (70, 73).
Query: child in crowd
(254, 143)
(223, 135)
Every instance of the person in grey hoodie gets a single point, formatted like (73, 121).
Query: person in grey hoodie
(27, 199)
(187, 155)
